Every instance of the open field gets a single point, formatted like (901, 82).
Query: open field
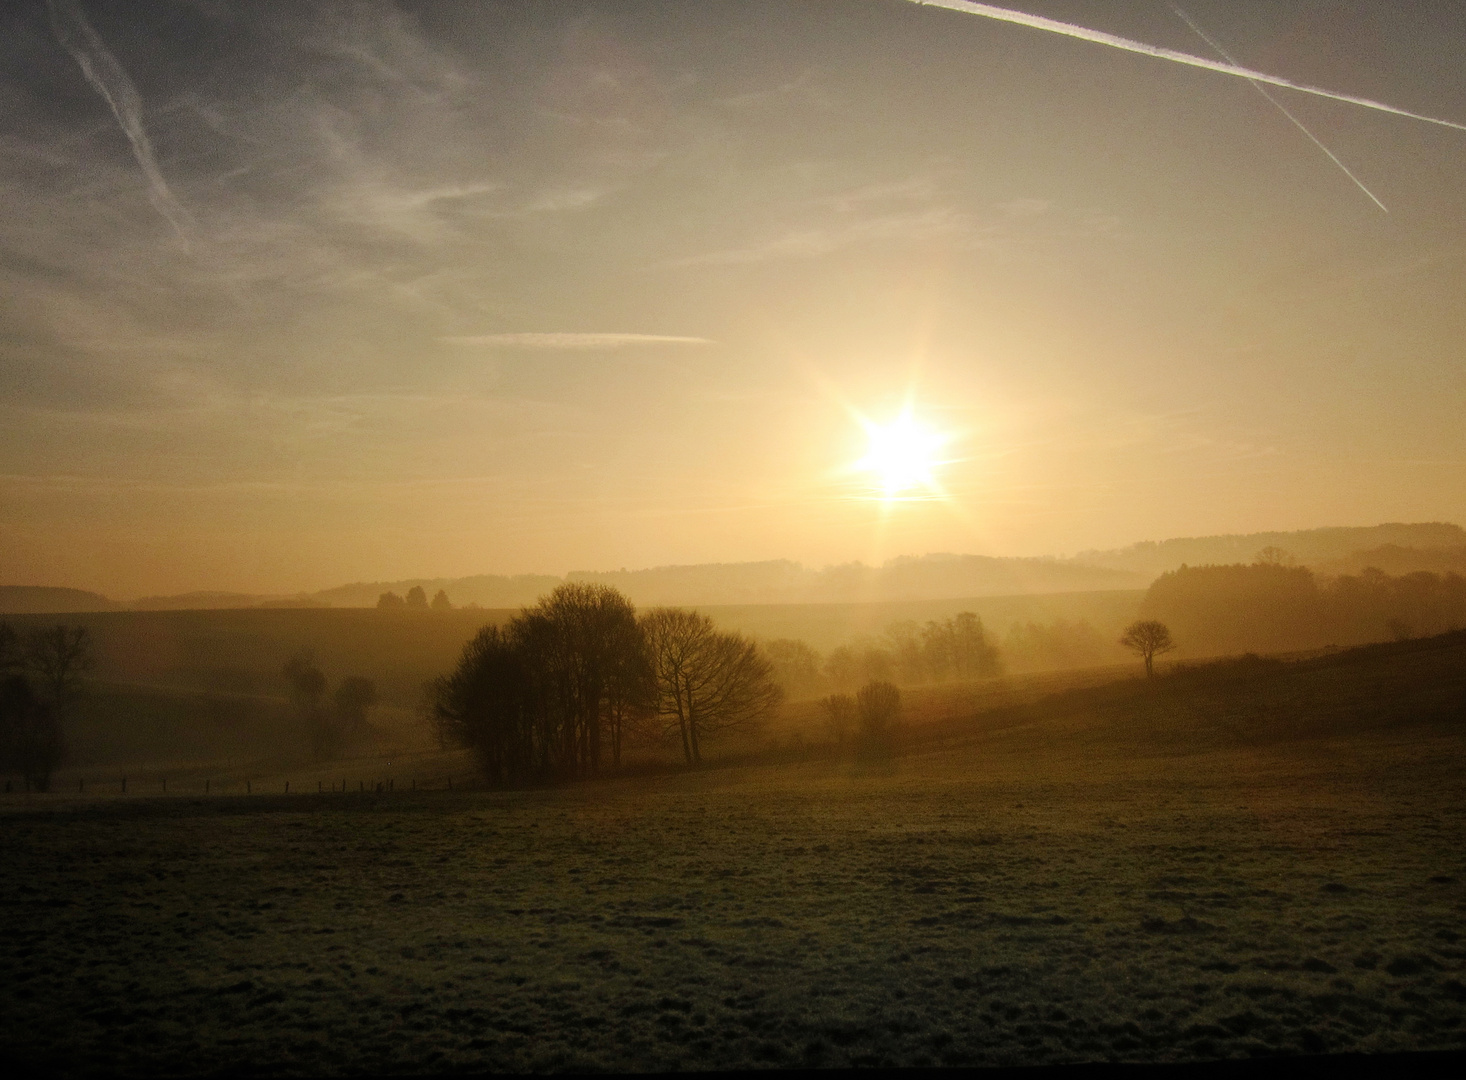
(1239, 861)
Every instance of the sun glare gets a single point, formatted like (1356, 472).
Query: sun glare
(903, 456)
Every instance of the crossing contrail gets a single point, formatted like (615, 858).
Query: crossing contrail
(1054, 26)
(109, 79)
(1282, 109)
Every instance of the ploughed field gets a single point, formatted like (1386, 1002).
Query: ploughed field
(1049, 883)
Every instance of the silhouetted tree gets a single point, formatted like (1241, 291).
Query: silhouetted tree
(583, 646)
(31, 740)
(707, 682)
(878, 705)
(973, 655)
(390, 601)
(1149, 638)
(307, 686)
(796, 665)
(417, 600)
(60, 658)
(840, 717)
(486, 704)
(1274, 556)
(441, 601)
(541, 698)
(354, 698)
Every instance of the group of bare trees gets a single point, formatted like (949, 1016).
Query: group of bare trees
(865, 723)
(40, 681)
(907, 652)
(341, 723)
(561, 686)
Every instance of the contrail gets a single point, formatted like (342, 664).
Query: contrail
(1038, 22)
(1282, 109)
(110, 80)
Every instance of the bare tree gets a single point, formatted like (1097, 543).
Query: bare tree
(707, 682)
(31, 740)
(60, 658)
(354, 698)
(840, 714)
(1149, 638)
(878, 705)
(485, 704)
(307, 686)
(542, 697)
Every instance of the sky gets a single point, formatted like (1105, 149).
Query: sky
(293, 294)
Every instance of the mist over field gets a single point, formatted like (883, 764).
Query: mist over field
(650, 536)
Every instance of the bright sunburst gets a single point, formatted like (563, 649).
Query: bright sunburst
(903, 455)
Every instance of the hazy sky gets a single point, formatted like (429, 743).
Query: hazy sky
(299, 293)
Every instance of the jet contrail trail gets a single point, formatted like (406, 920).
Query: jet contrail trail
(110, 80)
(1282, 109)
(1038, 22)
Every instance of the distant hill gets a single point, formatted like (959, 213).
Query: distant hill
(49, 600)
(485, 590)
(1396, 560)
(1395, 548)
(204, 601)
(930, 577)
(1308, 546)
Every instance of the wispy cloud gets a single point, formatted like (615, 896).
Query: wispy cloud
(110, 79)
(1114, 41)
(573, 340)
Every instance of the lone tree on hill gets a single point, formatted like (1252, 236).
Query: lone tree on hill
(1149, 638)
(441, 601)
(417, 600)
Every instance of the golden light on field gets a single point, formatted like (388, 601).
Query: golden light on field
(903, 456)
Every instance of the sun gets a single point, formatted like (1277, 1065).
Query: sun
(903, 456)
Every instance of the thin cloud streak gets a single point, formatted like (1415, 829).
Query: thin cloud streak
(1099, 37)
(573, 341)
(1282, 109)
(109, 79)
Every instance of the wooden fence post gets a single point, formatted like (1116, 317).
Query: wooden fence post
(248, 788)
(287, 787)
(124, 785)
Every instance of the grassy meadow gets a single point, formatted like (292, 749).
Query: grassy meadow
(1255, 858)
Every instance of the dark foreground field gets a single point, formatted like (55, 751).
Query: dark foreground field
(1070, 885)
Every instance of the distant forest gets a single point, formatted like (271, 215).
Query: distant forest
(1269, 606)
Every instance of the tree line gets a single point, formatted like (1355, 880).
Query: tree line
(555, 693)
(1274, 606)
(41, 675)
(415, 600)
